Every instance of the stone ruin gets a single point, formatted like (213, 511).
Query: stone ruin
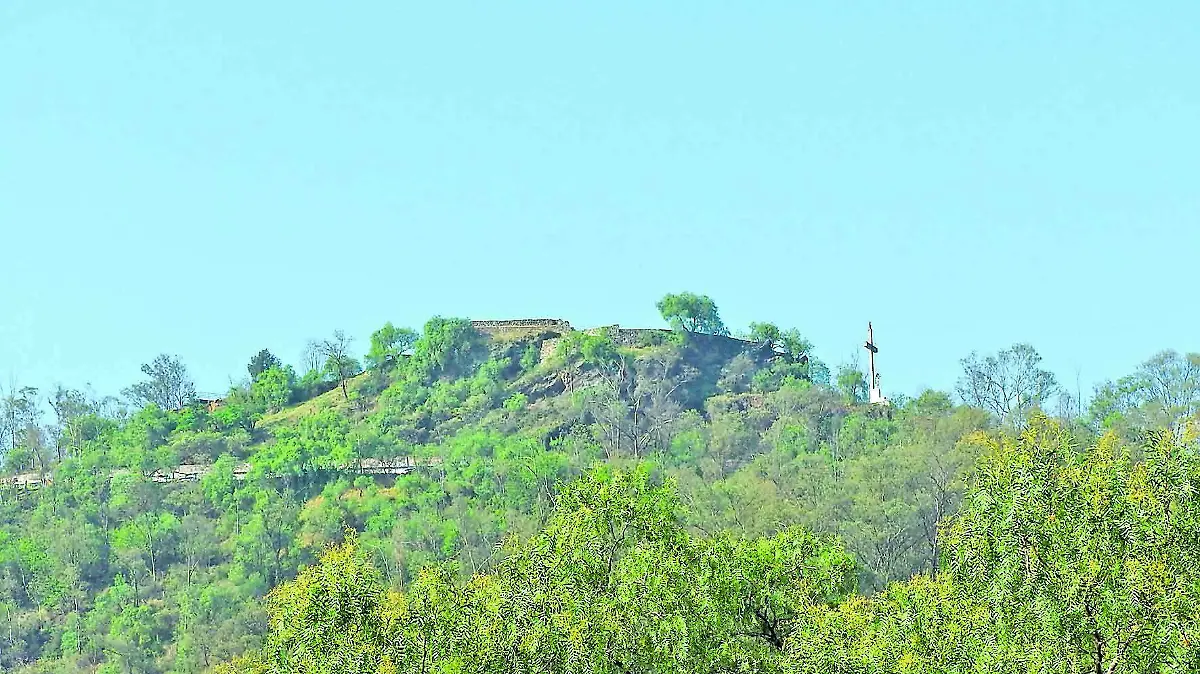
(553, 330)
(522, 327)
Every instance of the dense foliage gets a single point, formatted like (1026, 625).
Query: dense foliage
(684, 502)
(1061, 560)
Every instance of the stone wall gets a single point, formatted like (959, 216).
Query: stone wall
(522, 327)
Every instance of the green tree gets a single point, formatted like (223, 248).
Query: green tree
(151, 535)
(852, 384)
(1009, 384)
(692, 312)
(19, 430)
(233, 415)
(339, 364)
(387, 344)
(1164, 391)
(261, 362)
(1084, 560)
(1171, 385)
(449, 348)
(70, 407)
(770, 585)
(168, 386)
(272, 388)
(331, 618)
(767, 334)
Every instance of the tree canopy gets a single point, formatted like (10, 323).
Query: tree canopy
(387, 345)
(261, 362)
(692, 312)
(168, 384)
(1009, 384)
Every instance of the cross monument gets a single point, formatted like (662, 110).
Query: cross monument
(875, 396)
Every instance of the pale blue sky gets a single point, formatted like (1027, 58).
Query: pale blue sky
(208, 179)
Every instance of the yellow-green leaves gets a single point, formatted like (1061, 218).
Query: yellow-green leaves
(612, 583)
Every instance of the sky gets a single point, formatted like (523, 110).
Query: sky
(209, 179)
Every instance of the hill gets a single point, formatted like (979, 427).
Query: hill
(113, 568)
